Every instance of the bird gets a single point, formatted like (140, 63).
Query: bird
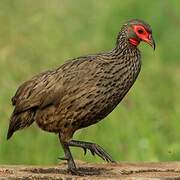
(81, 92)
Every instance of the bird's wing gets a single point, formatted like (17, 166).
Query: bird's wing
(48, 88)
(41, 90)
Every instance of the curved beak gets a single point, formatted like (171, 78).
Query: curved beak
(151, 42)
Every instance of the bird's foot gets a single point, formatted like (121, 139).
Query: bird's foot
(71, 166)
(96, 149)
(93, 148)
(75, 171)
(72, 169)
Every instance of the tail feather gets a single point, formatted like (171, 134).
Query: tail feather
(13, 126)
(20, 121)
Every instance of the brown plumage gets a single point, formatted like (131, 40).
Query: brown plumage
(82, 91)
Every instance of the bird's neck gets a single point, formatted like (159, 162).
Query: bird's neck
(124, 43)
(124, 48)
(123, 51)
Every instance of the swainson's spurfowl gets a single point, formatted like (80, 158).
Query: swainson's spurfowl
(82, 91)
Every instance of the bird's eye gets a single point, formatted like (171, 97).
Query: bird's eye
(140, 31)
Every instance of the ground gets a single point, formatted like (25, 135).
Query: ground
(127, 171)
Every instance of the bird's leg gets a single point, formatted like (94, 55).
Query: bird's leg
(94, 148)
(68, 156)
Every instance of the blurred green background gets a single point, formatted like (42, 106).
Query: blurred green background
(36, 35)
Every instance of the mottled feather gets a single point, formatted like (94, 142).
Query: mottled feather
(79, 93)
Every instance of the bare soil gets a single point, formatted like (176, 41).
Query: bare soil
(127, 171)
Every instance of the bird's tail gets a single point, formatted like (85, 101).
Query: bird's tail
(20, 121)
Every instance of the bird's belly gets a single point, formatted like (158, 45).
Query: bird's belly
(97, 108)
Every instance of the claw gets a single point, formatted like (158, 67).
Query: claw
(63, 158)
(85, 151)
(92, 152)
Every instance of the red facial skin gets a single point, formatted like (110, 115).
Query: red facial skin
(141, 33)
(134, 41)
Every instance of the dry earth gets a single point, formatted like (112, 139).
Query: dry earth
(127, 171)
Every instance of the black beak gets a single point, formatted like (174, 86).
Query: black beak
(151, 42)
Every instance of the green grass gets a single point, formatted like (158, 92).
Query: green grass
(38, 35)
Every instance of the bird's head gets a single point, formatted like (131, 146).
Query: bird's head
(136, 31)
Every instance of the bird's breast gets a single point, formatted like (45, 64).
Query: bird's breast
(118, 77)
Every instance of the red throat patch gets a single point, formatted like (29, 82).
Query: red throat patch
(134, 42)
